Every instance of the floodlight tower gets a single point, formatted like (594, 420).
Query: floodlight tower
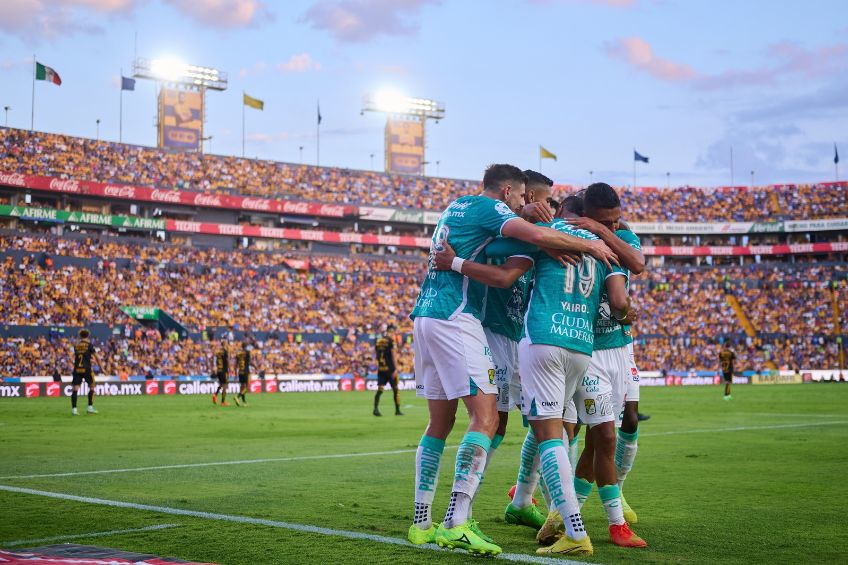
(177, 124)
(406, 119)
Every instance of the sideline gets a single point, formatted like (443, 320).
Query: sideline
(514, 557)
(153, 528)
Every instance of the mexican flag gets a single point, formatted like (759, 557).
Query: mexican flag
(43, 72)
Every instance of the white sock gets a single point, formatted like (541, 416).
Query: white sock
(468, 473)
(428, 458)
(557, 475)
(528, 472)
(611, 498)
(626, 446)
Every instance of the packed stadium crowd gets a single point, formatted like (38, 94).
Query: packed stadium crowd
(85, 159)
(684, 315)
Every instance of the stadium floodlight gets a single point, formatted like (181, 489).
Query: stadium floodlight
(174, 71)
(393, 102)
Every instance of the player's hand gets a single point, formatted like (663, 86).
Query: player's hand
(566, 258)
(632, 315)
(537, 212)
(588, 224)
(600, 251)
(442, 259)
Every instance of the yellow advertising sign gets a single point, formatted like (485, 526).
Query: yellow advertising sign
(404, 146)
(180, 119)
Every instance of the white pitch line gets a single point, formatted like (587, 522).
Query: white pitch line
(743, 428)
(214, 464)
(89, 535)
(515, 557)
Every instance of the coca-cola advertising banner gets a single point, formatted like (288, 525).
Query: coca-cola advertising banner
(147, 194)
(296, 234)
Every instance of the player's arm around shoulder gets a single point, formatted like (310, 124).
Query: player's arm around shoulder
(547, 237)
(619, 298)
(501, 276)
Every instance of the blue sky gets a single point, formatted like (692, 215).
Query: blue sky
(680, 81)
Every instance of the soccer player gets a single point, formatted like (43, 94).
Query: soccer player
(452, 358)
(222, 372)
(726, 358)
(604, 456)
(243, 371)
(553, 357)
(387, 374)
(84, 354)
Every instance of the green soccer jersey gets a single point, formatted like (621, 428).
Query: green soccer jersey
(564, 300)
(467, 224)
(609, 333)
(504, 308)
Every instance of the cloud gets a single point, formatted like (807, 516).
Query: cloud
(300, 63)
(36, 20)
(225, 14)
(353, 21)
(638, 53)
(785, 61)
(257, 69)
(265, 138)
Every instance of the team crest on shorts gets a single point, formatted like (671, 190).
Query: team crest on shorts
(590, 406)
(491, 376)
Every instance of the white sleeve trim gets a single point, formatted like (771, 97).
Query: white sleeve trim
(524, 257)
(500, 231)
(614, 274)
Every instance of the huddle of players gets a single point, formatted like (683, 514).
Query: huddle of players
(482, 318)
(222, 373)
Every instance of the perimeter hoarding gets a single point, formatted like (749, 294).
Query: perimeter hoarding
(180, 119)
(404, 146)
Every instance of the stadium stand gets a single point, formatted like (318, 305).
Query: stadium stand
(64, 156)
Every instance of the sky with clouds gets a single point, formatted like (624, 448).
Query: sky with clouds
(681, 81)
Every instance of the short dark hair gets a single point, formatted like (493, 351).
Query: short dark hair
(496, 175)
(534, 178)
(390, 327)
(573, 204)
(600, 195)
(84, 333)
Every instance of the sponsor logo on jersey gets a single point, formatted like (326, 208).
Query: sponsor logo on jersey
(589, 404)
(504, 210)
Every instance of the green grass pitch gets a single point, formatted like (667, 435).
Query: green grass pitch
(759, 479)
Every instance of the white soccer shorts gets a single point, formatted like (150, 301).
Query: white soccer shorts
(611, 368)
(549, 376)
(633, 380)
(451, 358)
(505, 357)
(570, 414)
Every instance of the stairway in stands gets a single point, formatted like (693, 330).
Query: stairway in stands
(750, 331)
(837, 326)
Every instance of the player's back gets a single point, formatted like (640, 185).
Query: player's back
(383, 348)
(564, 300)
(467, 225)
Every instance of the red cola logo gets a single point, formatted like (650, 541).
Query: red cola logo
(152, 387)
(12, 179)
(170, 387)
(64, 185)
(359, 384)
(165, 196)
(53, 389)
(255, 386)
(346, 385)
(296, 207)
(331, 210)
(207, 200)
(271, 386)
(256, 204)
(32, 390)
(119, 191)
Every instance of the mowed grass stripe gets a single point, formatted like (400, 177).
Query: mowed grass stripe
(514, 557)
(393, 452)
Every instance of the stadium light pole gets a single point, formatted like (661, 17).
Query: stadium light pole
(437, 168)
(209, 139)
(591, 176)
(301, 154)
(668, 181)
(752, 179)
(372, 161)
(6, 109)
(98, 129)
(398, 106)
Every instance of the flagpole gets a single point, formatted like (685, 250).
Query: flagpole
(121, 111)
(318, 137)
(731, 165)
(634, 168)
(540, 158)
(32, 105)
(242, 124)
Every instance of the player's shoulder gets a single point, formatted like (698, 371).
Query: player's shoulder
(565, 227)
(629, 237)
